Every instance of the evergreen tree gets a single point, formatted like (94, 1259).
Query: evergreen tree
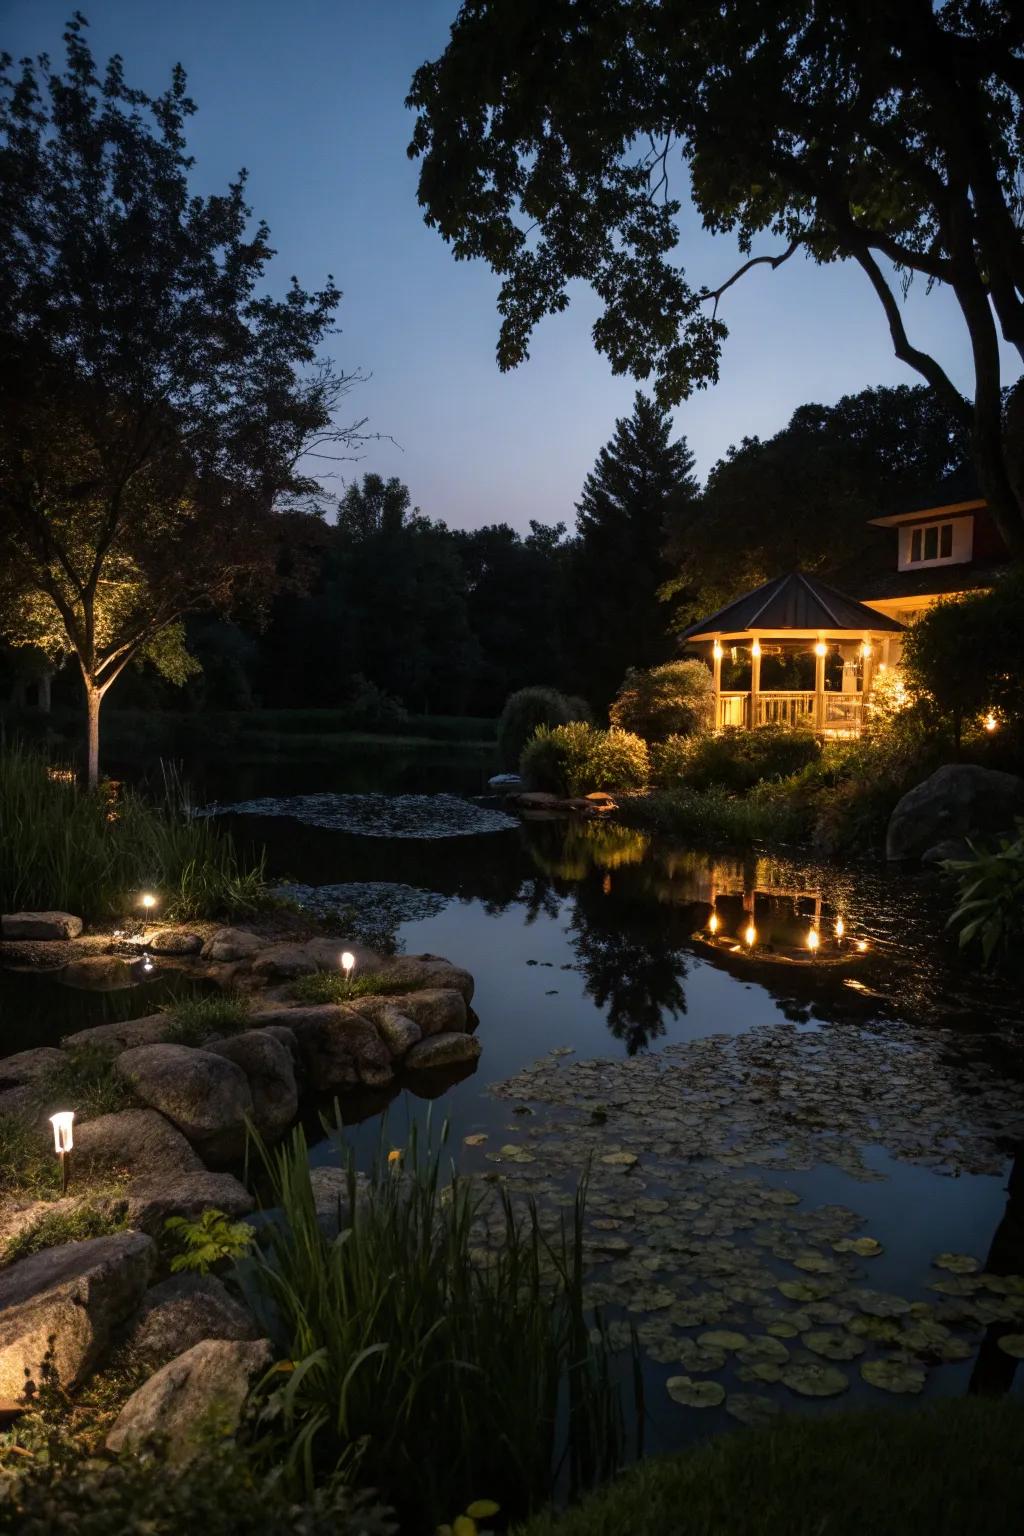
(619, 562)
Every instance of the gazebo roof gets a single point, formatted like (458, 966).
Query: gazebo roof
(795, 602)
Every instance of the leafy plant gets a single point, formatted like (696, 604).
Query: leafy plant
(673, 700)
(991, 906)
(577, 759)
(528, 708)
(426, 1353)
(211, 1239)
(734, 759)
(195, 1019)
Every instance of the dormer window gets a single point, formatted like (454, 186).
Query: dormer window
(932, 543)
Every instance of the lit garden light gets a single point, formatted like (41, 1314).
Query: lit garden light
(991, 723)
(63, 1141)
(148, 900)
(348, 962)
(713, 923)
(716, 650)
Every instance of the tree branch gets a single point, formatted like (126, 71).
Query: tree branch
(755, 261)
(922, 362)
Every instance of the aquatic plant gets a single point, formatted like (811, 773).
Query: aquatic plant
(89, 852)
(429, 1354)
(990, 911)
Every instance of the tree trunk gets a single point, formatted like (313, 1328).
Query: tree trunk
(93, 700)
(43, 693)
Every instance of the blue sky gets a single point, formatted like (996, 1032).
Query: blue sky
(309, 96)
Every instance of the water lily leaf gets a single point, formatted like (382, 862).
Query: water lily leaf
(882, 1329)
(610, 1244)
(812, 1380)
(763, 1370)
(620, 1159)
(476, 1140)
(813, 1263)
(781, 1197)
(697, 1358)
(763, 1347)
(1012, 1344)
(834, 1344)
(751, 1408)
(863, 1247)
(956, 1285)
(483, 1509)
(894, 1375)
(799, 1290)
(783, 1329)
(878, 1303)
(695, 1394)
(653, 1300)
(722, 1338)
(957, 1263)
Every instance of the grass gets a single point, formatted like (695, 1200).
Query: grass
(87, 1080)
(952, 1467)
(422, 1359)
(332, 986)
(712, 817)
(69, 1226)
(195, 1019)
(28, 1167)
(87, 853)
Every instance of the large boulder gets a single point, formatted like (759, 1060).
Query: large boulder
(284, 961)
(138, 1143)
(181, 1312)
(395, 1028)
(436, 1010)
(174, 941)
(231, 944)
(327, 953)
(200, 1392)
(190, 1192)
(339, 1047)
(65, 1303)
(431, 971)
(957, 801)
(206, 1096)
(267, 1064)
(27, 1067)
(40, 925)
(119, 1036)
(101, 973)
(444, 1050)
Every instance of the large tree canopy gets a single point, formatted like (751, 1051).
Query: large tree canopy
(155, 409)
(886, 134)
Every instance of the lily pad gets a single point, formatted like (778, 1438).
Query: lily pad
(833, 1344)
(1012, 1344)
(957, 1263)
(799, 1290)
(863, 1247)
(620, 1159)
(723, 1338)
(894, 1375)
(878, 1303)
(812, 1380)
(783, 1328)
(763, 1347)
(751, 1408)
(695, 1394)
(696, 1357)
(883, 1330)
(814, 1263)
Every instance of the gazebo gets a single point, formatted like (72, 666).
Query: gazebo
(787, 619)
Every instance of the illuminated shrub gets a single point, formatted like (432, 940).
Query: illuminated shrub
(676, 699)
(577, 759)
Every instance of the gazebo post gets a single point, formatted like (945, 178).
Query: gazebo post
(716, 679)
(820, 652)
(755, 681)
(868, 673)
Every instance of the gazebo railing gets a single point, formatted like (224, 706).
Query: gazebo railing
(785, 707)
(843, 713)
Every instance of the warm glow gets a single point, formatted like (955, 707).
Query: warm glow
(348, 960)
(750, 935)
(148, 901)
(755, 649)
(991, 723)
(865, 648)
(821, 649)
(147, 964)
(63, 1140)
(862, 945)
(840, 927)
(883, 666)
(713, 923)
(813, 939)
(716, 651)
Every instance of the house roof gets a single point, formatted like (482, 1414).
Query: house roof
(795, 601)
(958, 490)
(933, 580)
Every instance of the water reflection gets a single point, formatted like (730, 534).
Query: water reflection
(994, 1369)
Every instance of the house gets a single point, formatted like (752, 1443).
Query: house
(798, 630)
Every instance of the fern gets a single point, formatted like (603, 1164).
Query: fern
(212, 1239)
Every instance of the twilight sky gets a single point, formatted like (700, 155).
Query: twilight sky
(308, 95)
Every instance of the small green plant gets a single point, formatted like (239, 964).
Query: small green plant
(332, 986)
(195, 1019)
(211, 1239)
(70, 1226)
(525, 710)
(85, 1079)
(28, 1166)
(578, 759)
(676, 699)
(991, 906)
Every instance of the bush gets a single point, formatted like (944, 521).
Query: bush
(525, 711)
(991, 907)
(954, 1466)
(577, 759)
(676, 699)
(439, 1351)
(736, 759)
(368, 707)
(966, 656)
(82, 852)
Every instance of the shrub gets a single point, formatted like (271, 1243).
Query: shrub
(439, 1350)
(966, 656)
(991, 906)
(577, 759)
(676, 699)
(369, 707)
(736, 759)
(525, 711)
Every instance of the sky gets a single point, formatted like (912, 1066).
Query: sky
(309, 96)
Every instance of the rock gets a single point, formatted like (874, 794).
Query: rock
(186, 1193)
(138, 1142)
(26, 1067)
(339, 1047)
(949, 848)
(957, 801)
(205, 1387)
(151, 1030)
(431, 971)
(267, 1064)
(40, 925)
(286, 1036)
(436, 1010)
(282, 961)
(183, 1311)
(442, 1050)
(331, 1197)
(174, 941)
(75, 1295)
(396, 1029)
(327, 955)
(231, 944)
(101, 973)
(206, 1096)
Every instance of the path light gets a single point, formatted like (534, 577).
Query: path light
(63, 1141)
(148, 900)
(348, 961)
(813, 939)
(750, 935)
(840, 927)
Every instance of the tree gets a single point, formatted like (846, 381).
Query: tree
(966, 657)
(376, 506)
(888, 135)
(154, 409)
(618, 561)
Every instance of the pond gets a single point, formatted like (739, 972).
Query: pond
(801, 1157)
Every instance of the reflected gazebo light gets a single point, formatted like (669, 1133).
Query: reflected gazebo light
(765, 913)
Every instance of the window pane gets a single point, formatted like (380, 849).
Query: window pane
(946, 540)
(931, 543)
(915, 544)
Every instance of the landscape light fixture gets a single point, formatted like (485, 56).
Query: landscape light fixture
(991, 723)
(63, 1141)
(348, 961)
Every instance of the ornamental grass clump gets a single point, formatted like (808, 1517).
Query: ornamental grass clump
(192, 1020)
(436, 1349)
